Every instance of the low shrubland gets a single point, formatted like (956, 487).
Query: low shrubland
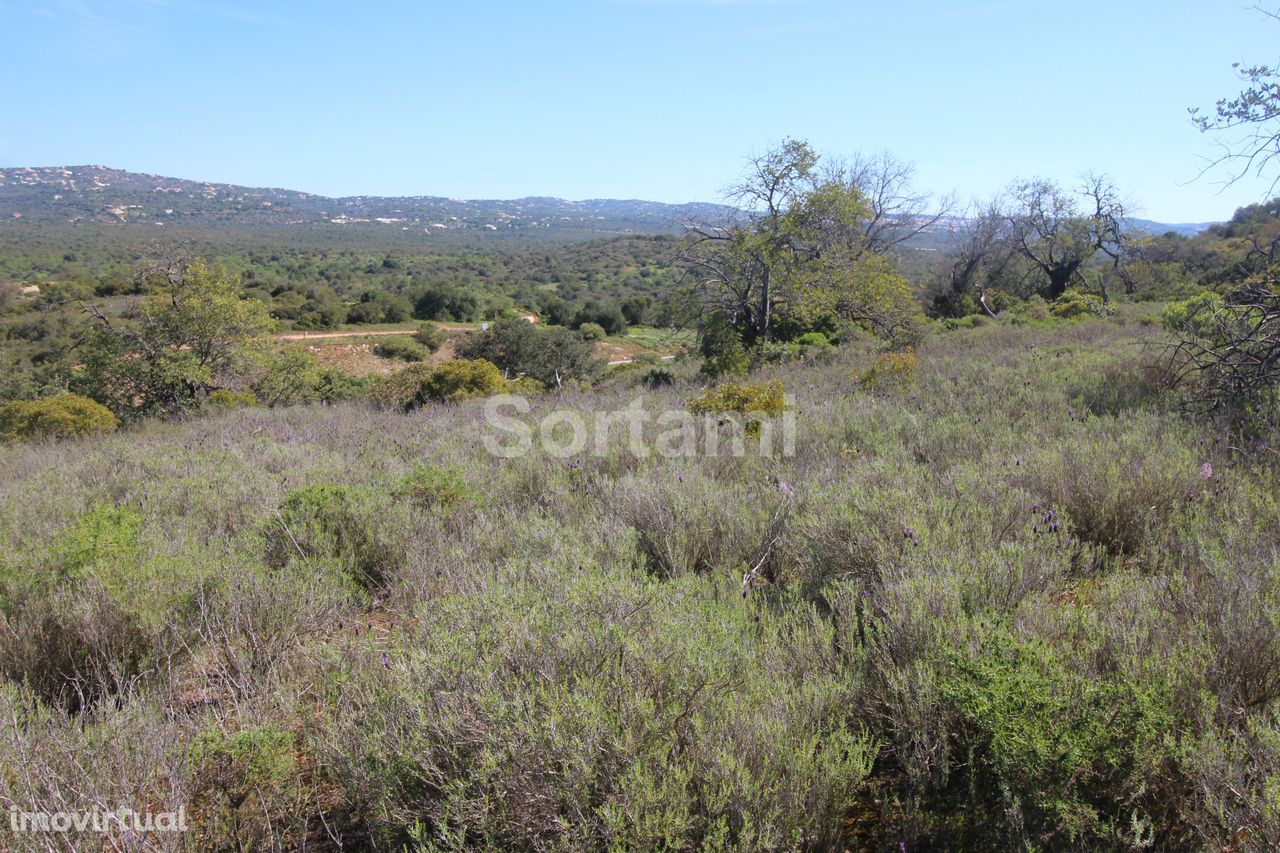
(1006, 594)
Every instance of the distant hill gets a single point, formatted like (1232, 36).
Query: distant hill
(82, 194)
(1186, 229)
(63, 200)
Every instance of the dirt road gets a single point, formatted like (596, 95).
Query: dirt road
(315, 336)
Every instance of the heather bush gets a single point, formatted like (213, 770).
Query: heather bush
(633, 740)
(345, 523)
(62, 416)
(1115, 488)
(445, 489)
(247, 790)
(72, 647)
(696, 524)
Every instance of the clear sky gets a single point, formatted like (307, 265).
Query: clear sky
(655, 99)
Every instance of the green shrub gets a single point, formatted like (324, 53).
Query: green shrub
(262, 754)
(334, 386)
(401, 348)
(1062, 750)
(105, 535)
(891, 370)
(1192, 316)
(80, 629)
(246, 788)
(62, 416)
(659, 377)
(447, 382)
(430, 336)
(344, 523)
(753, 401)
(592, 332)
(814, 339)
(446, 489)
(225, 400)
(1077, 303)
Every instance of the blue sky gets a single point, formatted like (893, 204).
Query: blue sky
(657, 99)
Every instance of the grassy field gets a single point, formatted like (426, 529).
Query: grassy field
(1015, 601)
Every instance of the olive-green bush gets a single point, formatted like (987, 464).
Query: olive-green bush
(62, 416)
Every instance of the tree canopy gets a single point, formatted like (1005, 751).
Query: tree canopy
(189, 338)
(805, 252)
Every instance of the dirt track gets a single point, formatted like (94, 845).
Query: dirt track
(315, 336)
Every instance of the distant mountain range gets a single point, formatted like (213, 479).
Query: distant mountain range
(77, 194)
(65, 195)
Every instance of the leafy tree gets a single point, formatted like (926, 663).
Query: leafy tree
(896, 211)
(379, 307)
(980, 256)
(635, 309)
(190, 337)
(745, 266)
(721, 346)
(604, 314)
(519, 348)
(446, 302)
(807, 254)
(557, 312)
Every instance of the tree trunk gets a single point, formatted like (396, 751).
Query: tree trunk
(1059, 278)
(763, 318)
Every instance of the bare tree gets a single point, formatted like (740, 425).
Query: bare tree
(1059, 232)
(1230, 350)
(1255, 112)
(898, 211)
(981, 252)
